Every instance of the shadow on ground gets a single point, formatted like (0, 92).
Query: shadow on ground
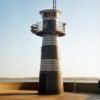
(93, 97)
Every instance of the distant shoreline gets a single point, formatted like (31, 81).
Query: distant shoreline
(66, 80)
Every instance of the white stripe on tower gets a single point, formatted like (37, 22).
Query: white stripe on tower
(50, 65)
(50, 39)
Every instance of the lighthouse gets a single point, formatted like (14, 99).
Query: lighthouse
(50, 29)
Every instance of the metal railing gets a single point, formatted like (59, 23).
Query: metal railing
(59, 26)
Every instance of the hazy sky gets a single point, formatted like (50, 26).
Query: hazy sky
(20, 50)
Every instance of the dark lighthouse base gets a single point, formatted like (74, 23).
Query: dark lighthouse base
(50, 82)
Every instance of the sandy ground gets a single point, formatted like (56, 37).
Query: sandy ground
(32, 95)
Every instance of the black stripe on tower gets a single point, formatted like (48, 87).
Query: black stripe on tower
(49, 52)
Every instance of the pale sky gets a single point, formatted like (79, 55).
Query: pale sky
(20, 50)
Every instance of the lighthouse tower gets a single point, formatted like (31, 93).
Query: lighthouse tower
(50, 77)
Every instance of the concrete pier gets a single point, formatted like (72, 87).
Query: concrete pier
(32, 95)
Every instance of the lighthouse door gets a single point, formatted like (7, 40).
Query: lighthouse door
(42, 83)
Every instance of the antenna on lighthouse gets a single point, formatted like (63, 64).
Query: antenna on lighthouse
(54, 4)
(54, 8)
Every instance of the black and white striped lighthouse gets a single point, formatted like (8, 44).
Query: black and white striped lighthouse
(50, 78)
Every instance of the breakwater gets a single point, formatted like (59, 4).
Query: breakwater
(68, 86)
